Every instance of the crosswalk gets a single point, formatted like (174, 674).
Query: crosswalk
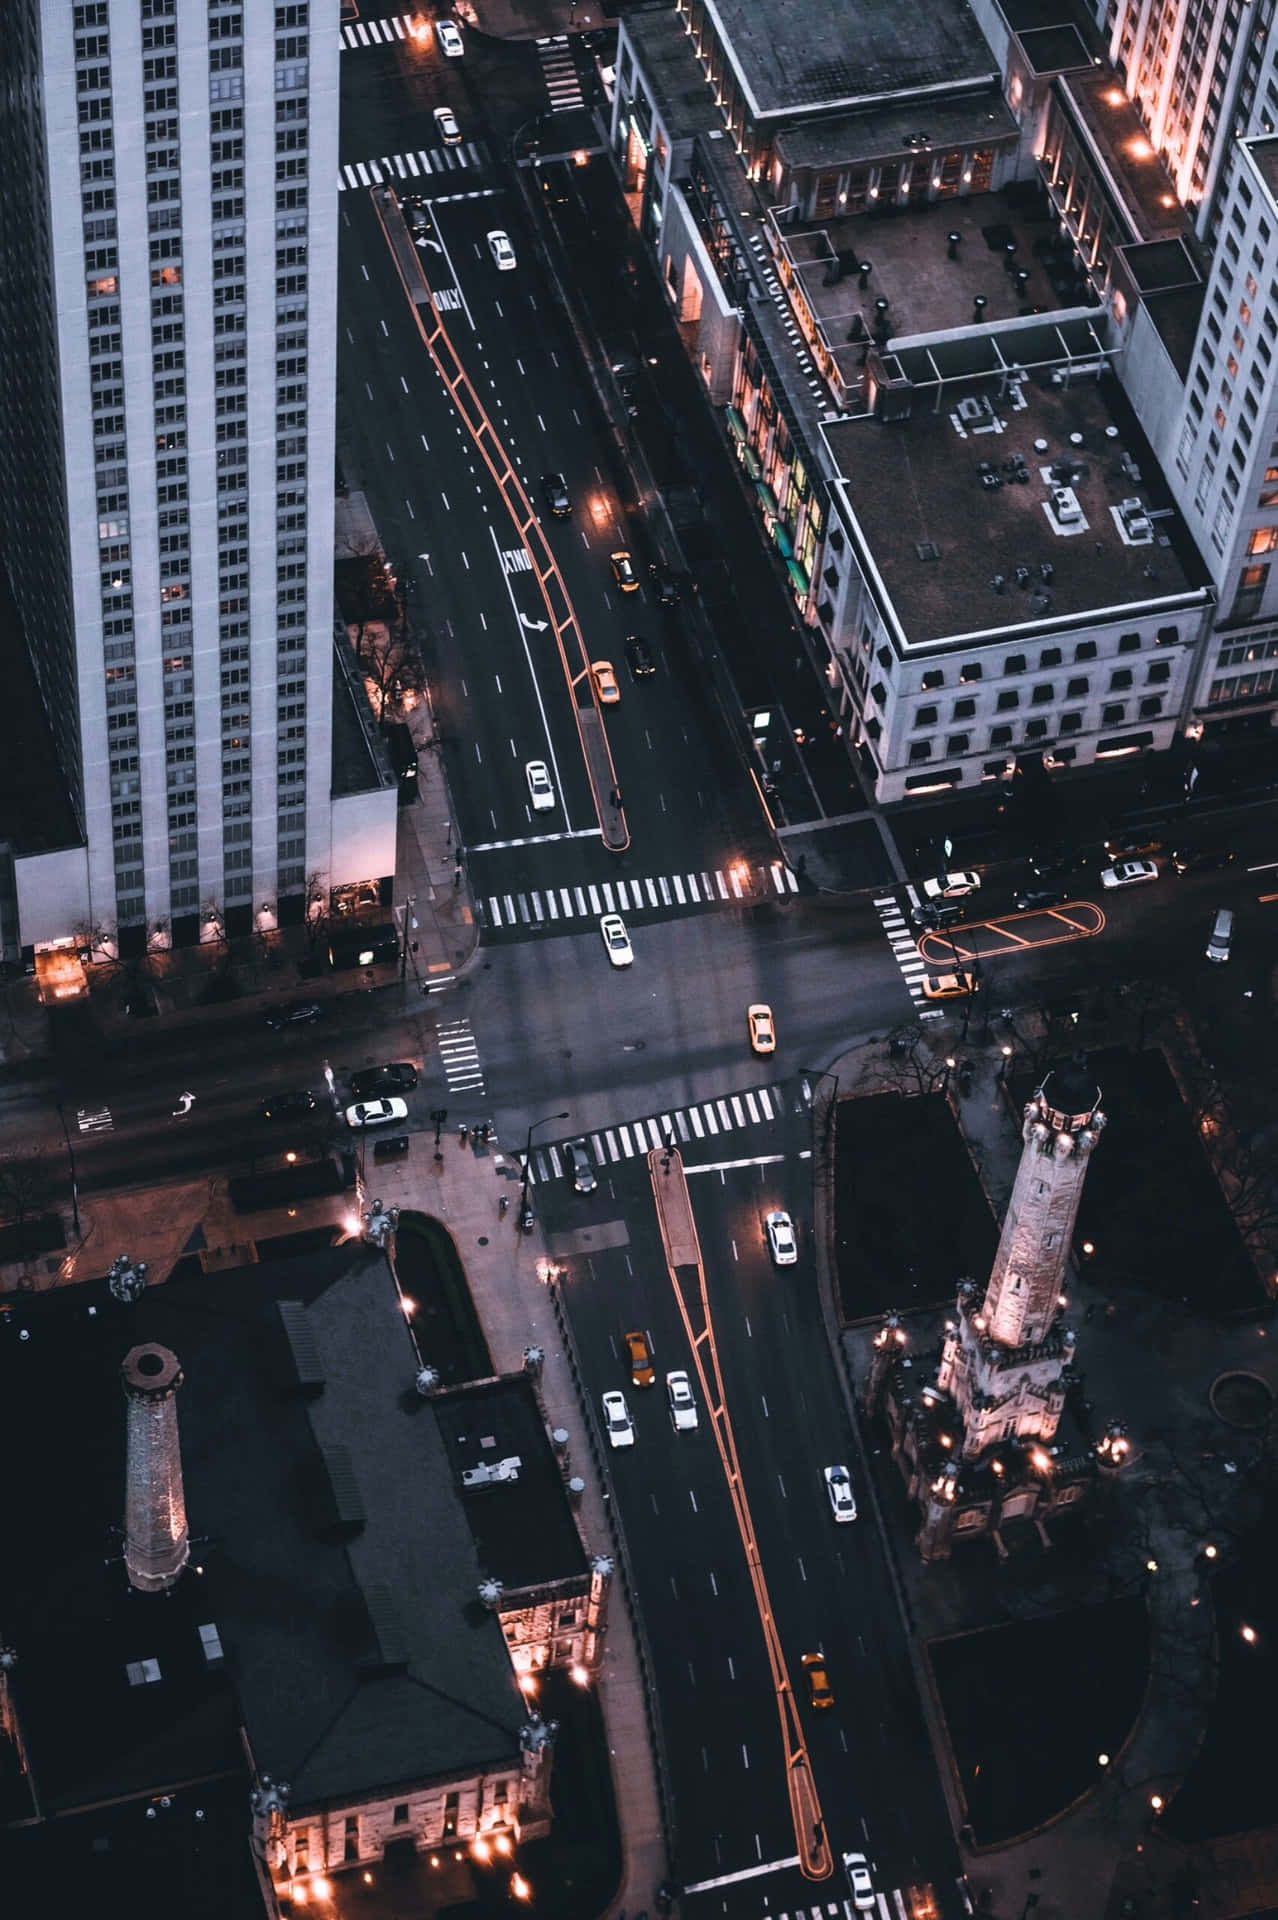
(381, 33)
(426, 165)
(708, 1120)
(94, 1120)
(559, 73)
(663, 893)
(459, 1056)
(904, 946)
(890, 1906)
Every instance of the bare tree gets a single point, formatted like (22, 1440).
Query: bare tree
(25, 1186)
(910, 1065)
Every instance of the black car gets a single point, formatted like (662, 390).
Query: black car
(667, 587)
(297, 1013)
(1204, 860)
(1035, 899)
(933, 914)
(639, 657)
(557, 497)
(397, 1076)
(1047, 862)
(287, 1106)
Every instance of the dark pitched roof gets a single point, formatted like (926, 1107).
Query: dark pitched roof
(339, 1570)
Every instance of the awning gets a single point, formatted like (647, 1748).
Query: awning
(782, 538)
(736, 425)
(1123, 743)
(751, 462)
(798, 578)
(767, 498)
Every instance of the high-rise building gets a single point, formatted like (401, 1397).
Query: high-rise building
(168, 359)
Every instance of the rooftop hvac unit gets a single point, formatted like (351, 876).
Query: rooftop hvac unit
(973, 408)
(500, 1473)
(1065, 506)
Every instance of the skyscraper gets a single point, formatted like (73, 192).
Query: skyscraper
(167, 362)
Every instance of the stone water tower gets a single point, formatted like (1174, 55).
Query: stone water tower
(156, 1541)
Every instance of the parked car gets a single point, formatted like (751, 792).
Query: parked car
(582, 1166)
(541, 788)
(820, 1692)
(642, 1371)
(395, 1076)
(287, 1106)
(639, 657)
(1128, 873)
(376, 1113)
(782, 1244)
(296, 1013)
(612, 929)
(951, 886)
(618, 1425)
(623, 571)
(683, 1407)
(763, 1032)
(838, 1485)
(554, 489)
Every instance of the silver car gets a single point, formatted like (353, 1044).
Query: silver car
(618, 1425)
(683, 1407)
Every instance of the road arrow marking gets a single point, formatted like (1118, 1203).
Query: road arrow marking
(533, 626)
(185, 1102)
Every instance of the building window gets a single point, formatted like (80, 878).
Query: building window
(1112, 715)
(1120, 680)
(972, 671)
(1035, 729)
(1043, 695)
(401, 1814)
(1071, 722)
(1000, 736)
(957, 743)
(1263, 540)
(1049, 657)
(925, 717)
(1159, 674)
(933, 679)
(1085, 650)
(1008, 700)
(1151, 706)
(964, 709)
(1014, 663)
(920, 750)
(1129, 643)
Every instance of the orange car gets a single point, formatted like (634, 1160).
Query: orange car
(820, 1692)
(642, 1372)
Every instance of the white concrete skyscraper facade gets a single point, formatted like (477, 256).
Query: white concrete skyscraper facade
(168, 352)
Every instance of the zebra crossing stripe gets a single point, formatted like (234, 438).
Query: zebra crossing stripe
(594, 899)
(751, 1109)
(738, 1112)
(610, 904)
(723, 1114)
(510, 909)
(677, 884)
(719, 881)
(765, 1101)
(665, 891)
(652, 893)
(598, 1145)
(711, 1122)
(682, 1126)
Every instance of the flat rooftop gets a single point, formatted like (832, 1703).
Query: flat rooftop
(892, 131)
(793, 55)
(932, 285)
(338, 1566)
(523, 1529)
(1146, 192)
(680, 91)
(938, 535)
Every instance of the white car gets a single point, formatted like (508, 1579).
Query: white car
(683, 1408)
(541, 789)
(450, 39)
(449, 131)
(1129, 873)
(500, 248)
(857, 1869)
(838, 1484)
(951, 886)
(782, 1244)
(376, 1113)
(612, 929)
(618, 1425)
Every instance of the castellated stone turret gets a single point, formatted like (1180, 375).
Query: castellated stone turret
(156, 1541)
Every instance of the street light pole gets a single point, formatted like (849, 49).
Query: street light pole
(823, 1073)
(524, 1216)
(75, 1191)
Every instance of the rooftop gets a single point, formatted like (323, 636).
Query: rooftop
(680, 91)
(938, 533)
(360, 760)
(1144, 189)
(792, 55)
(1264, 154)
(523, 1529)
(897, 130)
(337, 1565)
